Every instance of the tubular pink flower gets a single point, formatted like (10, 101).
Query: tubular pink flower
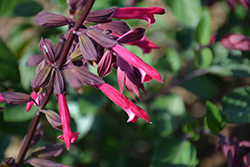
(1, 97)
(138, 13)
(68, 136)
(29, 104)
(145, 44)
(147, 71)
(133, 111)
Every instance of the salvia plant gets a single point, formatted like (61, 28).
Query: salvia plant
(204, 66)
(93, 39)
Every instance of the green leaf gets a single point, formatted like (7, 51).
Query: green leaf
(169, 114)
(206, 87)
(17, 113)
(204, 58)
(174, 152)
(173, 60)
(8, 65)
(203, 31)
(187, 11)
(26, 9)
(7, 6)
(236, 106)
(229, 63)
(214, 118)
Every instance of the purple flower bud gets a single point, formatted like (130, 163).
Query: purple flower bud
(51, 20)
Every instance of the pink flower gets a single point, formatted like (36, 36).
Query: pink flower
(1, 97)
(29, 104)
(68, 136)
(145, 44)
(133, 111)
(138, 13)
(147, 71)
(236, 41)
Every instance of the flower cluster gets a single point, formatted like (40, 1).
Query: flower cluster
(100, 44)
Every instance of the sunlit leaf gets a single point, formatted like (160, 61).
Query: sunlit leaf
(236, 106)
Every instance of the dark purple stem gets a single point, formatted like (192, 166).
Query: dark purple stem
(36, 118)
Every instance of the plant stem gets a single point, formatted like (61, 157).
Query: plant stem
(63, 56)
(72, 34)
(34, 123)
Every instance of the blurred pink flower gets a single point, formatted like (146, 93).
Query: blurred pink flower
(245, 3)
(147, 71)
(1, 97)
(68, 136)
(236, 41)
(138, 13)
(29, 104)
(133, 111)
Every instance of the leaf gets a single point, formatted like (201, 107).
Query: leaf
(173, 62)
(215, 120)
(236, 106)
(204, 58)
(203, 31)
(87, 48)
(174, 152)
(187, 11)
(102, 39)
(86, 76)
(8, 65)
(17, 113)
(26, 9)
(206, 87)
(7, 7)
(169, 113)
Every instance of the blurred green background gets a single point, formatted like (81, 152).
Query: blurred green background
(179, 135)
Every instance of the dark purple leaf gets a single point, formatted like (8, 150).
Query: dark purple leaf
(9, 162)
(104, 65)
(86, 76)
(102, 39)
(116, 27)
(40, 66)
(15, 98)
(133, 35)
(37, 136)
(100, 16)
(87, 48)
(43, 163)
(51, 20)
(59, 84)
(58, 47)
(120, 62)
(73, 81)
(75, 6)
(48, 151)
(46, 46)
(34, 60)
(42, 78)
(54, 119)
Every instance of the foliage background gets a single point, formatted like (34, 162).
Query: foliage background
(179, 135)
